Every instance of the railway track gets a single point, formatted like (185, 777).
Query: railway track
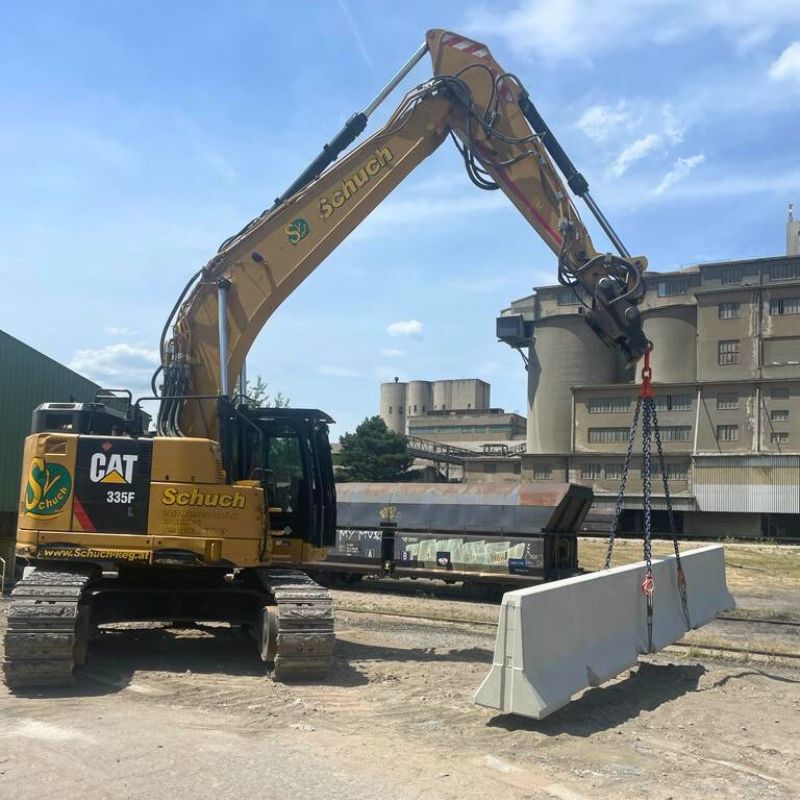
(709, 648)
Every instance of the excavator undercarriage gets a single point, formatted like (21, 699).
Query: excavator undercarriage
(56, 609)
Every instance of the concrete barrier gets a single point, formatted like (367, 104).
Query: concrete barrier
(557, 639)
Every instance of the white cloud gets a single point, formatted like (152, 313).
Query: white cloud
(337, 372)
(674, 129)
(113, 330)
(680, 169)
(392, 352)
(556, 31)
(444, 199)
(600, 122)
(407, 327)
(117, 366)
(634, 152)
(787, 66)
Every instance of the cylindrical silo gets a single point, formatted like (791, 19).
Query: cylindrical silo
(565, 353)
(673, 331)
(442, 395)
(419, 398)
(393, 401)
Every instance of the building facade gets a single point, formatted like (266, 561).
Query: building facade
(726, 367)
(465, 425)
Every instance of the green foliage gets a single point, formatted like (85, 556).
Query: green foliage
(373, 453)
(258, 396)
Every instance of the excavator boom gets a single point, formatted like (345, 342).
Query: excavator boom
(493, 123)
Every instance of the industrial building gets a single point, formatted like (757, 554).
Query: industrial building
(400, 401)
(450, 412)
(27, 378)
(726, 365)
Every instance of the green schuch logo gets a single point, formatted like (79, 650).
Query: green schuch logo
(296, 230)
(48, 489)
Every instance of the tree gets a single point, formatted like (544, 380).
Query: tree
(257, 395)
(373, 453)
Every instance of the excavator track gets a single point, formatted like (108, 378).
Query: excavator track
(47, 629)
(298, 629)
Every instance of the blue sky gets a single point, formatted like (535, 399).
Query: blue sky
(136, 137)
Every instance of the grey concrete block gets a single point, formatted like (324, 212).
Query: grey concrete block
(557, 639)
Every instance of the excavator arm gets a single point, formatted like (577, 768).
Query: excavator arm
(505, 145)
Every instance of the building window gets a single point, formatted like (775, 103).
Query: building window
(399, 409)
(390, 409)
(728, 352)
(674, 402)
(491, 469)
(779, 393)
(517, 468)
(779, 437)
(423, 409)
(614, 472)
(779, 306)
(542, 472)
(609, 405)
(727, 401)
(727, 433)
(729, 310)
(415, 409)
(673, 287)
(607, 435)
(731, 275)
(676, 433)
(779, 415)
(591, 472)
(571, 296)
(784, 272)
(677, 472)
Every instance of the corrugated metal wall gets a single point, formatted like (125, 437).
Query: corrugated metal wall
(760, 484)
(27, 378)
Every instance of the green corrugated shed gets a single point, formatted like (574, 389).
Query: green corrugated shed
(28, 378)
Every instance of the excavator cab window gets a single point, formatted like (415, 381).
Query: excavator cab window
(287, 450)
(284, 472)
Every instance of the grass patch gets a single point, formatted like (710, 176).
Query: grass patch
(748, 565)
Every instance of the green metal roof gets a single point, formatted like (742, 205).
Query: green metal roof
(28, 378)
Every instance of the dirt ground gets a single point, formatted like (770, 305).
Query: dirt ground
(179, 713)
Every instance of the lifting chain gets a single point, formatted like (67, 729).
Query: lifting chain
(646, 408)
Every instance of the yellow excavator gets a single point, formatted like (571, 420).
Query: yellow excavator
(215, 516)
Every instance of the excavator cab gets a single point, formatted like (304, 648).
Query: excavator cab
(287, 451)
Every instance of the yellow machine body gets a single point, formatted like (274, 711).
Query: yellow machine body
(188, 514)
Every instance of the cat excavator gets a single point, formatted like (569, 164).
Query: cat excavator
(214, 516)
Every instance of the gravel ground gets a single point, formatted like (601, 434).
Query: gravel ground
(187, 713)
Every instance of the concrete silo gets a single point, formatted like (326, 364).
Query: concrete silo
(673, 331)
(442, 395)
(393, 402)
(565, 353)
(419, 398)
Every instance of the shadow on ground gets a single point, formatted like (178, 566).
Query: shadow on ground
(606, 707)
(119, 653)
(358, 651)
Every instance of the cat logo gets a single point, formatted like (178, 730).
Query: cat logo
(114, 468)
